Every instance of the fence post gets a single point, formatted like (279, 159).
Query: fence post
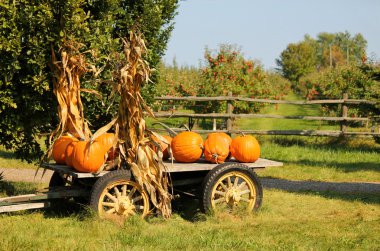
(229, 112)
(214, 122)
(343, 123)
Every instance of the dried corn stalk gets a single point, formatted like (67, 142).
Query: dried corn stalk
(67, 73)
(134, 138)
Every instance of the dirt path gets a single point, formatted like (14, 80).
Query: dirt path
(29, 175)
(26, 175)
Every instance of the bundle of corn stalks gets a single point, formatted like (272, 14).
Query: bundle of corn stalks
(1, 176)
(67, 73)
(135, 140)
(66, 82)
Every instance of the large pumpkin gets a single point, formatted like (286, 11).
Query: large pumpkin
(69, 152)
(245, 148)
(88, 157)
(59, 148)
(217, 147)
(107, 140)
(187, 147)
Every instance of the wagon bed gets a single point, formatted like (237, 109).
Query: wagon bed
(116, 191)
(200, 165)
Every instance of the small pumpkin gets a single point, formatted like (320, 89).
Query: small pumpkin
(164, 147)
(88, 157)
(187, 147)
(107, 139)
(217, 147)
(245, 148)
(69, 153)
(59, 148)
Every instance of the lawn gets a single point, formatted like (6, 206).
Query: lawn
(287, 221)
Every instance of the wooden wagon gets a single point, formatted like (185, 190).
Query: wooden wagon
(228, 186)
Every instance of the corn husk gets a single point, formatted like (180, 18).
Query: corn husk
(135, 140)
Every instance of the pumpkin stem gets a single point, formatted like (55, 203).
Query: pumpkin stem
(171, 132)
(215, 156)
(242, 133)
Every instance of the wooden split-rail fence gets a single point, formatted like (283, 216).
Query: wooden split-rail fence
(229, 116)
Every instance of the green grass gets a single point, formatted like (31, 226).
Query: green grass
(322, 159)
(287, 124)
(8, 160)
(287, 221)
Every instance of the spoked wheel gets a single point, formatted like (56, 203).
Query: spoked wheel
(115, 195)
(231, 188)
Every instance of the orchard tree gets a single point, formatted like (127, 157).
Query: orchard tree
(226, 71)
(359, 82)
(31, 30)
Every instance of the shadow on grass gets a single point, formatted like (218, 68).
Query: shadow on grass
(10, 188)
(7, 154)
(187, 207)
(351, 191)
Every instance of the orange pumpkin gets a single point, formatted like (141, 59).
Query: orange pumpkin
(107, 140)
(187, 147)
(217, 147)
(69, 153)
(245, 148)
(88, 157)
(59, 148)
(164, 146)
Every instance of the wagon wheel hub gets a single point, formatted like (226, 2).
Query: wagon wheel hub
(125, 205)
(233, 196)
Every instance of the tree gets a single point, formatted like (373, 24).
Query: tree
(31, 29)
(226, 71)
(297, 60)
(344, 48)
(358, 81)
(327, 50)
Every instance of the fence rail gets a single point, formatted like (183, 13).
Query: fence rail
(229, 115)
(232, 98)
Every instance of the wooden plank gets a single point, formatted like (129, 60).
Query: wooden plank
(22, 198)
(273, 116)
(70, 171)
(203, 165)
(19, 207)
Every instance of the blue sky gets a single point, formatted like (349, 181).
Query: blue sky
(263, 29)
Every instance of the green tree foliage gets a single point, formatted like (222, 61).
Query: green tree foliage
(359, 82)
(328, 49)
(297, 60)
(226, 71)
(31, 29)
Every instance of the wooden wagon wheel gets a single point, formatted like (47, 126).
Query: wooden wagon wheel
(116, 195)
(231, 188)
